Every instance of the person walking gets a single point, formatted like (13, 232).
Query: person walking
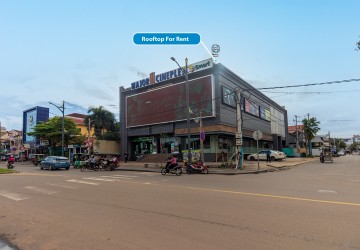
(268, 153)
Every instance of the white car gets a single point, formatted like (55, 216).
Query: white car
(341, 153)
(274, 156)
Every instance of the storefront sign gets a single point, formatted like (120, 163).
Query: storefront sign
(153, 79)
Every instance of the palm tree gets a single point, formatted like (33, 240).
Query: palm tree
(310, 130)
(102, 119)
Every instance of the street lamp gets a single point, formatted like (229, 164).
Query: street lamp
(62, 109)
(186, 74)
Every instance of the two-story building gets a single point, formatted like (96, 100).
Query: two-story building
(153, 113)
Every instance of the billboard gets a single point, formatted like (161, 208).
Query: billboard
(251, 108)
(168, 103)
(229, 96)
(32, 117)
(265, 114)
(31, 122)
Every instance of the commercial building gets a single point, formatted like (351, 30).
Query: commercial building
(153, 113)
(32, 117)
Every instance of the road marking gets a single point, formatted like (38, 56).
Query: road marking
(13, 196)
(63, 186)
(353, 180)
(147, 183)
(121, 175)
(327, 191)
(98, 179)
(84, 182)
(276, 196)
(41, 190)
(118, 177)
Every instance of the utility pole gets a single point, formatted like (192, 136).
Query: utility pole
(62, 109)
(201, 140)
(310, 148)
(239, 135)
(186, 74)
(297, 135)
(89, 130)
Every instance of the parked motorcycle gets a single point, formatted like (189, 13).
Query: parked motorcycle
(109, 165)
(198, 168)
(172, 170)
(90, 164)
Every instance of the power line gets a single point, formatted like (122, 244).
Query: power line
(312, 84)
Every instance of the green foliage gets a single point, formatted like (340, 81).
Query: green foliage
(355, 146)
(51, 130)
(311, 127)
(105, 125)
(340, 144)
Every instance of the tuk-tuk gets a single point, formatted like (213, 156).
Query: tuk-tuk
(326, 155)
(37, 158)
(79, 160)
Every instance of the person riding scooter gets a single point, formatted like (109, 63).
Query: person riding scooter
(11, 161)
(170, 164)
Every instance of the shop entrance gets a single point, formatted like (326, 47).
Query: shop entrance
(142, 145)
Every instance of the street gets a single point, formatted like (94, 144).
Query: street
(311, 206)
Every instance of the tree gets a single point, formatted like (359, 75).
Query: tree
(358, 45)
(339, 144)
(311, 127)
(103, 121)
(355, 146)
(51, 130)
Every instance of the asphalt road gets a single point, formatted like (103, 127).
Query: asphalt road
(312, 206)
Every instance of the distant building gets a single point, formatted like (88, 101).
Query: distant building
(348, 141)
(356, 138)
(300, 134)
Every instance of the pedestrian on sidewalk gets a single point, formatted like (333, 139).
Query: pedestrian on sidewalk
(126, 157)
(268, 153)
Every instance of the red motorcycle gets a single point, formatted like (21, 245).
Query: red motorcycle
(197, 168)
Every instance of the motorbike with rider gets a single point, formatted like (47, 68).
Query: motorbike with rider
(172, 167)
(10, 162)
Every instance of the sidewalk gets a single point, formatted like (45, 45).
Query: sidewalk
(249, 167)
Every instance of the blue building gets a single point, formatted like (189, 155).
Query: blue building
(32, 117)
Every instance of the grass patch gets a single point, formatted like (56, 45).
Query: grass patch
(7, 171)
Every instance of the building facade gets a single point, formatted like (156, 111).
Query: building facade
(153, 114)
(32, 117)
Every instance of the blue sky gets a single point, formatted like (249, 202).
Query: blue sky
(82, 51)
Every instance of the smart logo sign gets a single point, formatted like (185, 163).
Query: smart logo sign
(153, 79)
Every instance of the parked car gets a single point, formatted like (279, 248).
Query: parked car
(274, 156)
(341, 153)
(55, 162)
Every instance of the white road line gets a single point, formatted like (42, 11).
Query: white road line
(121, 175)
(149, 173)
(98, 179)
(327, 191)
(147, 183)
(41, 190)
(13, 196)
(353, 180)
(118, 177)
(63, 186)
(84, 182)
